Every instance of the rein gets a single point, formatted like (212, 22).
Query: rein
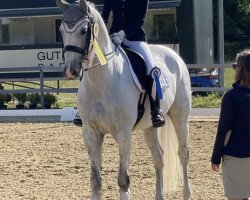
(91, 67)
(86, 50)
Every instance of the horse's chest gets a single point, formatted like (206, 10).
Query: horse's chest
(97, 116)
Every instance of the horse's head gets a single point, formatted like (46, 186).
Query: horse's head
(76, 33)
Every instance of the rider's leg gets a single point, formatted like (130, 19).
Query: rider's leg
(77, 120)
(156, 114)
(142, 48)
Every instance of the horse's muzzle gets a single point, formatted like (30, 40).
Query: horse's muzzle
(70, 73)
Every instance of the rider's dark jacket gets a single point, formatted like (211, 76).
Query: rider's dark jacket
(235, 116)
(128, 15)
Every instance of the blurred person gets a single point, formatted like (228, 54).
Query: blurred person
(232, 143)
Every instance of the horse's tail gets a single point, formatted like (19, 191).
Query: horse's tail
(169, 144)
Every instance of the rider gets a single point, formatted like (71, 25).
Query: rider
(127, 28)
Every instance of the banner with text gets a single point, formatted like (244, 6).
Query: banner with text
(31, 58)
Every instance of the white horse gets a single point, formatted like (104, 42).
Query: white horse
(107, 100)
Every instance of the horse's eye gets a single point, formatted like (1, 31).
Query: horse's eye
(83, 31)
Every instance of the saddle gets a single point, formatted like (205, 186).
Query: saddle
(138, 64)
(140, 70)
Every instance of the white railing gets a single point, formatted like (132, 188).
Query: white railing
(39, 76)
(42, 70)
(209, 66)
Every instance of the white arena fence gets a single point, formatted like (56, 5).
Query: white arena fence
(220, 68)
(65, 114)
(68, 113)
(43, 74)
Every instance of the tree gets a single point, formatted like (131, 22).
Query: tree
(236, 19)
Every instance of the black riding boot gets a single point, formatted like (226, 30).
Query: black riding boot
(77, 121)
(156, 114)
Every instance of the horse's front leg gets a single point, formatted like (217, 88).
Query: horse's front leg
(93, 142)
(124, 144)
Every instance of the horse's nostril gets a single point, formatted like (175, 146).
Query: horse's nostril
(75, 73)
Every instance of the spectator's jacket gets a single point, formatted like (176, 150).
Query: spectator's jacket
(235, 116)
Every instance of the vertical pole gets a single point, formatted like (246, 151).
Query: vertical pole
(42, 86)
(220, 34)
(58, 86)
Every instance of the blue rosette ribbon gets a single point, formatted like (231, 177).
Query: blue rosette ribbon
(156, 73)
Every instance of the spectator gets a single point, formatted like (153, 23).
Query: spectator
(232, 144)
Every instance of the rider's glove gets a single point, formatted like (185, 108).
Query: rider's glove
(117, 38)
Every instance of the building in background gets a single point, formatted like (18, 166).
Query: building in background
(29, 33)
(195, 31)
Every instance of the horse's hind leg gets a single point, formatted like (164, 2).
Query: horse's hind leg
(151, 138)
(180, 122)
(93, 142)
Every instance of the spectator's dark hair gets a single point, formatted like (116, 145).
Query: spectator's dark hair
(242, 75)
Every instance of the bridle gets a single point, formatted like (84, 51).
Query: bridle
(88, 41)
(83, 51)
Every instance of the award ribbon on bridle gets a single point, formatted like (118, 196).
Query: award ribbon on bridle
(96, 46)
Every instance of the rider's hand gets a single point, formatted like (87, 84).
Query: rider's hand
(117, 38)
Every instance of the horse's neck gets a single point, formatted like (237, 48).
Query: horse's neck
(99, 76)
(111, 78)
(105, 77)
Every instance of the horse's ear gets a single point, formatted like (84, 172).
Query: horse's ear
(63, 5)
(83, 6)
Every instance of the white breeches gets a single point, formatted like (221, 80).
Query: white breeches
(143, 49)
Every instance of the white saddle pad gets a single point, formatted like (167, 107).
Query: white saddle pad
(164, 80)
